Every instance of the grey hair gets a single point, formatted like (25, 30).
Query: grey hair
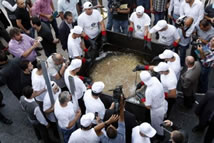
(64, 97)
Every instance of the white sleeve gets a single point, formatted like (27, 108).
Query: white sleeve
(176, 35)
(99, 16)
(190, 30)
(182, 9)
(131, 17)
(39, 116)
(148, 101)
(9, 6)
(201, 15)
(152, 30)
(80, 21)
(60, 8)
(170, 7)
(147, 21)
(171, 85)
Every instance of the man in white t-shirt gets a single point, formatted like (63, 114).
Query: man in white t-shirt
(66, 114)
(192, 8)
(168, 34)
(86, 134)
(173, 60)
(38, 84)
(174, 7)
(143, 133)
(75, 45)
(69, 5)
(74, 83)
(92, 100)
(154, 101)
(92, 22)
(169, 82)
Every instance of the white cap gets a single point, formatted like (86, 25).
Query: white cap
(77, 30)
(162, 66)
(147, 129)
(160, 25)
(167, 54)
(87, 5)
(75, 63)
(146, 77)
(140, 10)
(87, 119)
(98, 87)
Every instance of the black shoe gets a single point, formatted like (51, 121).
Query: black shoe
(197, 129)
(6, 121)
(2, 105)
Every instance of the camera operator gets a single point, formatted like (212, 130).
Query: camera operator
(114, 135)
(206, 56)
(154, 101)
(120, 10)
(185, 29)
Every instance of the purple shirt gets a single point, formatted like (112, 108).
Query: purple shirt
(42, 6)
(17, 48)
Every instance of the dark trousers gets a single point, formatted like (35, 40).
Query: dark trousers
(1, 97)
(41, 132)
(13, 21)
(82, 105)
(188, 101)
(49, 50)
(4, 34)
(171, 102)
(209, 136)
(67, 133)
(183, 54)
(204, 78)
(54, 25)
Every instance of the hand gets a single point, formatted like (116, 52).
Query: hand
(151, 9)
(49, 17)
(35, 44)
(139, 68)
(139, 85)
(112, 119)
(170, 16)
(85, 50)
(98, 120)
(118, 10)
(27, 31)
(168, 123)
(55, 41)
(78, 113)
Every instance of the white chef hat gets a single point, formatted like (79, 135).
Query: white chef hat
(147, 129)
(87, 5)
(87, 119)
(162, 66)
(160, 25)
(140, 10)
(97, 87)
(146, 77)
(77, 30)
(75, 63)
(167, 54)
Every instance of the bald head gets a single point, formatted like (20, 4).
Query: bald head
(190, 61)
(188, 21)
(57, 58)
(177, 137)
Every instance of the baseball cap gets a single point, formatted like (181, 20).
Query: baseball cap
(75, 63)
(77, 30)
(162, 66)
(160, 25)
(98, 87)
(167, 54)
(87, 119)
(146, 77)
(140, 10)
(147, 129)
(87, 5)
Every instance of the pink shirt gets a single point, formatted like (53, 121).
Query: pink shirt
(42, 6)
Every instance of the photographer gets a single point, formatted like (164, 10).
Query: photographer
(206, 56)
(120, 10)
(185, 29)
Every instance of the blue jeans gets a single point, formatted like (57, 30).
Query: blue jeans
(67, 133)
(110, 20)
(158, 16)
(183, 54)
(204, 77)
(120, 26)
(54, 25)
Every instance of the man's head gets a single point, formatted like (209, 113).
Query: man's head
(57, 58)
(190, 61)
(21, 3)
(188, 21)
(162, 68)
(15, 34)
(88, 8)
(68, 17)
(36, 23)
(28, 91)
(86, 121)
(205, 25)
(177, 137)
(146, 130)
(97, 89)
(64, 97)
(212, 43)
(139, 11)
(161, 25)
(75, 65)
(189, 1)
(167, 55)
(77, 31)
(111, 132)
(3, 57)
(26, 66)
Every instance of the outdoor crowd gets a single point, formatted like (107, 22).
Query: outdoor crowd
(76, 107)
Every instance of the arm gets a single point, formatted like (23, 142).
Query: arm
(171, 3)
(123, 11)
(9, 6)
(40, 117)
(77, 116)
(52, 6)
(172, 93)
(28, 51)
(78, 9)
(82, 44)
(50, 110)
(201, 15)
(19, 24)
(102, 25)
(151, 5)
(37, 93)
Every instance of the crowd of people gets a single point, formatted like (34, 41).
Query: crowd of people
(74, 103)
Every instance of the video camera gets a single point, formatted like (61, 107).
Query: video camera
(180, 22)
(117, 93)
(115, 4)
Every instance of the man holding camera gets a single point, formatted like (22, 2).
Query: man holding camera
(154, 101)
(120, 10)
(185, 30)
